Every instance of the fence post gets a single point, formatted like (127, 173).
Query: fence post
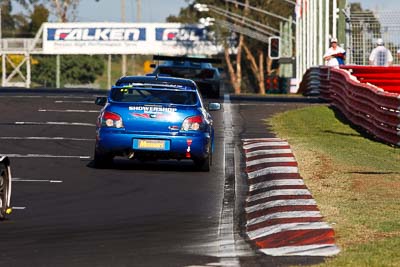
(28, 70)
(109, 72)
(4, 69)
(58, 71)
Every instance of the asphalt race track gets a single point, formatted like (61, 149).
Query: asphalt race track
(66, 213)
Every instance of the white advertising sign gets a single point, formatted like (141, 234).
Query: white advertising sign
(128, 38)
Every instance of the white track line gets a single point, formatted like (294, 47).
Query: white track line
(44, 138)
(284, 215)
(281, 203)
(18, 208)
(272, 170)
(43, 156)
(253, 140)
(281, 182)
(70, 96)
(308, 250)
(35, 180)
(269, 230)
(270, 160)
(268, 152)
(35, 96)
(279, 192)
(69, 110)
(71, 101)
(227, 248)
(262, 144)
(54, 123)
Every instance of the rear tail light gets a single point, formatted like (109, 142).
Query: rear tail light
(109, 119)
(194, 123)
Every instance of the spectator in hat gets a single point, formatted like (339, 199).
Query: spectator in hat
(380, 55)
(335, 55)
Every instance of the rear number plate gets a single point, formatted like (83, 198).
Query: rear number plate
(151, 144)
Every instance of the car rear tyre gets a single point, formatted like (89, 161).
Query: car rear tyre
(5, 190)
(102, 160)
(203, 164)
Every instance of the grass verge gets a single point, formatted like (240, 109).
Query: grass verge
(355, 181)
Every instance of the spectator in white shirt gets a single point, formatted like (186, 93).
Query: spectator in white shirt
(335, 55)
(380, 55)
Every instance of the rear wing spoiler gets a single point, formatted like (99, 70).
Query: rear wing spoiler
(192, 59)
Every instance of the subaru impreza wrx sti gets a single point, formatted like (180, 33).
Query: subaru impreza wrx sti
(149, 118)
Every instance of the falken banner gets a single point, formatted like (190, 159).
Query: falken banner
(128, 38)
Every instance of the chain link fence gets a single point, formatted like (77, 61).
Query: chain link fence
(366, 27)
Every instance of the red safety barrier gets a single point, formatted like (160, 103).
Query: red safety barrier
(356, 69)
(387, 78)
(379, 76)
(368, 106)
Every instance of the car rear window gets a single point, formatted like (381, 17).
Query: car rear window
(187, 73)
(151, 95)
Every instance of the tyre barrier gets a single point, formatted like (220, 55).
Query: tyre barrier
(369, 106)
(310, 85)
(282, 218)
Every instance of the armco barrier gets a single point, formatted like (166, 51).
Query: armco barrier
(365, 105)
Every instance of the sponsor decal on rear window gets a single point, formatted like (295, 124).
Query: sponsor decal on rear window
(153, 109)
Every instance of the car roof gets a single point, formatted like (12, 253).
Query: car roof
(156, 81)
(186, 64)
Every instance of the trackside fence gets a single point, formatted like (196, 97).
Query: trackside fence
(373, 107)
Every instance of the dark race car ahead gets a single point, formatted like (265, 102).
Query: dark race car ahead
(200, 70)
(150, 118)
(5, 187)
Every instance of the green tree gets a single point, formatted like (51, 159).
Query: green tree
(31, 23)
(186, 15)
(255, 50)
(7, 20)
(64, 10)
(233, 63)
(39, 15)
(74, 70)
(254, 61)
(81, 69)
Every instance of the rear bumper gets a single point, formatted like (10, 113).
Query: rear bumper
(121, 143)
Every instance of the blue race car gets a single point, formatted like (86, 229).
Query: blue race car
(149, 118)
(200, 70)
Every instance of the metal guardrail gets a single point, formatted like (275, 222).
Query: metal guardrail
(20, 45)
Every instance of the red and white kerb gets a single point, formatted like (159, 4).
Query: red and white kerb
(282, 218)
